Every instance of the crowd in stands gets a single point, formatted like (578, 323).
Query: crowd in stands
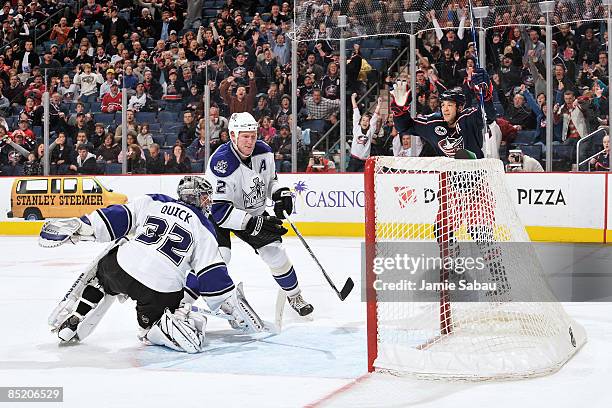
(164, 52)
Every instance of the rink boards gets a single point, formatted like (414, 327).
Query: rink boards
(557, 207)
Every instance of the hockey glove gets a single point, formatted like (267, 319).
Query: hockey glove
(282, 202)
(56, 232)
(480, 77)
(265, 227)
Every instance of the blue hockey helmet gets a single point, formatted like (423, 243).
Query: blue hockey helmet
(454, 95)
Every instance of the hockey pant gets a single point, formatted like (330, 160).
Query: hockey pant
(113, 280)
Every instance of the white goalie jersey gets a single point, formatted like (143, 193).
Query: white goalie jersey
(241, 187)
(171, 238)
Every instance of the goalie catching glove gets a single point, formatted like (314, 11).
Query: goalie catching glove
(265, 227)
(56, 232)
(282, 202)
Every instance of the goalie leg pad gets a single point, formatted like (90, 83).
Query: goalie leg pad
(91, 308)
(66, 305)
(245, 319)
(182, 331)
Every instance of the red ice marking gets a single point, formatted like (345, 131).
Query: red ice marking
(337, 391)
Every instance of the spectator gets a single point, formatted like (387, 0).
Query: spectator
(280, 46)
(135, 163)
(115, 25)
(266, 130)
(89, 83)
(152, 86)
(140, 101)
(172, 87)
(311, 67)
(262, 109)
(518, 162)
(178, 162)
(34, 165)
(98, 135)
(601, 162)
(28, 59)
(15, 91)
(132, 126)
(145, 137)
(13, 153)
(450, 39)
(111, 102)
(364, 129)
(155, 163)
(68, 91)
(108, 152)
(82, 124)
(187, 133)
(320, 108)
(284, 111)
(572, 116)
(223, 138)
(562, 81)
(519, 113)
(281, 146)
(318, 163)
(60, 155)
(243, 101)
(77, 32)
(60, 31)
(264, 70)
(330, 84)
(197, 150)
(402, 145)
(85, 162)
(91, 13)
(110, 80)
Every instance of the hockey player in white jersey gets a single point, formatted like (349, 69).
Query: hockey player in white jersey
(173, 242)
(243, 176)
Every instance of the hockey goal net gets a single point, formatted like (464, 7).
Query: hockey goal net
(513, 327)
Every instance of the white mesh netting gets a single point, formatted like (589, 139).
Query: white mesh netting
(463, 209)
(318, 19)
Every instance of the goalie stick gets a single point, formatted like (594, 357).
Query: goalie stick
(348, 285)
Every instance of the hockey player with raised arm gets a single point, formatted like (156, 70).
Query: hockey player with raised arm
(457, 132)
(455, 127)
(243, 176)
(173, 244)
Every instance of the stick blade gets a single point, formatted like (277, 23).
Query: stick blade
(346, 290)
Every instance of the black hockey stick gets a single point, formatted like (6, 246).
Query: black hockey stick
(348, 285)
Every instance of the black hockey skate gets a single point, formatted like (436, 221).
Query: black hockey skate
(298, 304)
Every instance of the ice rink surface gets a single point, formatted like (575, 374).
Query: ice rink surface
(310, 363)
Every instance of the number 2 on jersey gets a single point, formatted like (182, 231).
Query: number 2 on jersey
(178, 241)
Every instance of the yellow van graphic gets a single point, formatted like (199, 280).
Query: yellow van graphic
(37, 198)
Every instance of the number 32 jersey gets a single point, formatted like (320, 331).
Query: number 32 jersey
(171, 238)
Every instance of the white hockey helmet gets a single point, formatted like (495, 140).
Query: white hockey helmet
(190, 190)
(241, 122)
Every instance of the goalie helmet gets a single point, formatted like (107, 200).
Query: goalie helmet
(191, 189)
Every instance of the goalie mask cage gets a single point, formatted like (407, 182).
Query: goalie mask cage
(519, 331)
